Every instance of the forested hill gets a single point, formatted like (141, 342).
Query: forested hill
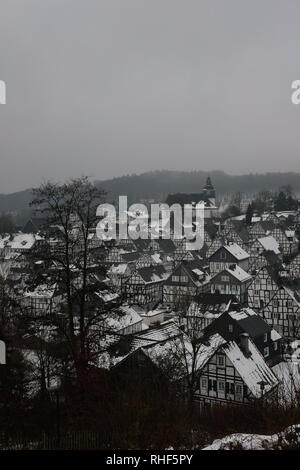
(158, 184)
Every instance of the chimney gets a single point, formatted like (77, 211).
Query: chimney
(244, 343)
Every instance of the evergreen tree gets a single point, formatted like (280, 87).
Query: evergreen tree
(249, 214)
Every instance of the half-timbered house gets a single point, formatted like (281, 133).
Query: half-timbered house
(234, 322)
(145, 285)
(233, 281)
(228, 255)
(276, 299)
(204, 309)
(233, 372)
(187, 280)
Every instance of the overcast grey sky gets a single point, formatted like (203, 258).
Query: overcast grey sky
(111, 87)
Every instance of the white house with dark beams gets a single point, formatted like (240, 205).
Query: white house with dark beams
(228, 255)
(231, 281)
(233, 372)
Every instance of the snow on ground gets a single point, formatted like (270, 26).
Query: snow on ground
(247, 441)
(240, 441)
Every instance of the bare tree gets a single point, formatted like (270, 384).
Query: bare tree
(69, 211)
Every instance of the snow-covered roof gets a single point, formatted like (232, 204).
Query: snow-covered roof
(252, 368)
(107, 296)
(127, 317)
(181, 349)
(118, 269)
(153, 274)
(242, 314)
(275, 336)
(23, 241)
(270, 244)
(156, 258)
(42, 291)
(237, 251)
(198, 272)
(238, 273)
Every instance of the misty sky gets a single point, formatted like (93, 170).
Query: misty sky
(111, 87)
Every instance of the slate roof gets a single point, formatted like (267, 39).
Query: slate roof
(213, 302)
(153, 273)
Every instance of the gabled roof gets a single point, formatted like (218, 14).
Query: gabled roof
(240, 229)
(118, 269)
(253, 368)
(182, 349)
(141, 244)
(213, 303)
(129, 344)
(153, 273)
(122, 317)
(250, 322)
(235, 271)
(235, 250)
(267, 225)
(270, 244)
(194, 269)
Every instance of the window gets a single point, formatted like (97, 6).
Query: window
(275, 346)
(266, 352)
(223, 255)
(221, 385)
(238, 389)
(221, 361)
(184, 279)
(175, 278)
(224, 278)
(203, 383)
(230, 388)
(230, 328)
(265, 337)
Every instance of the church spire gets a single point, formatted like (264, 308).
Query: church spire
(209, 189)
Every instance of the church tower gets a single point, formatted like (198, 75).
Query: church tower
(209, 190)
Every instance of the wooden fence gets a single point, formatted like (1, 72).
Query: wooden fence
(74, 440)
